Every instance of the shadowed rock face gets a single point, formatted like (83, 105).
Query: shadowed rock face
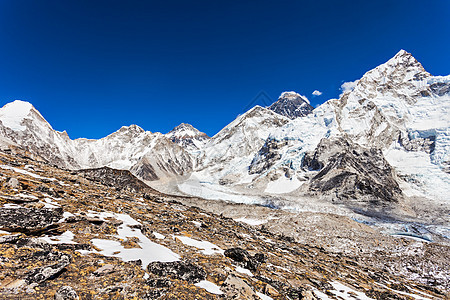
(122, 179)
(28, 219)
(292, 105)
(243, 258)
(348, 171)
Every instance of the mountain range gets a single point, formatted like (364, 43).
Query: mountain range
(383, 145)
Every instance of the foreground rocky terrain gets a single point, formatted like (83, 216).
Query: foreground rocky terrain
(103, 234)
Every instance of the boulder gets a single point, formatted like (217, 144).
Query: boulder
(39, 275)
(243, 258)
(13, 183)
(28, 219)
(66, 293)
(183, 270)
(236, 288)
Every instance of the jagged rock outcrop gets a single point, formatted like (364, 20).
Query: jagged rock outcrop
(348, 172)
(292, 105)
(248, 261)
(122, 179)
(41, 274)
(267, 156)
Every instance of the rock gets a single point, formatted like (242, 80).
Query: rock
(66, 293)
(236, 288)
(271, 291)
(13, 183)
(158, 282)
(94, 220)
(13, 284)
(42, 274)
(20, 199)
(10, 239)
(28, 219)
(104, 270)
(308, 295)
(292, 105)
(183, 270)
(241, 256)
(237, 254)
(47, 190)
(350, 173)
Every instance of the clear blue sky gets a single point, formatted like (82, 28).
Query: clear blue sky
(92, 66)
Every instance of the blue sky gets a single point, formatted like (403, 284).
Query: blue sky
(92, 66)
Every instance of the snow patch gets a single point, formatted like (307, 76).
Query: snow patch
(149, 251)
(158, 235)
(208, 248)
(65, 238)
(263, 297)
(244, 271)
(283, 185)
(209, 286)
(346, 292)
(249, 221)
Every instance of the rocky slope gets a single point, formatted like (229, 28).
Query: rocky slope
(100, 234)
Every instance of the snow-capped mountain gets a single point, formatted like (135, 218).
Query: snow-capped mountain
(292, 105)
(385, 140)
(188, 137)
(151, 155)
(226, 155)
(397, 107)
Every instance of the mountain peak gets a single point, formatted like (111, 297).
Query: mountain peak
(133, 128)
(291, 105)
(402, 53)
(187, 136)
(400, 69)
(405, 59)
(184, 127)
(13, 113)
(185, 130)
